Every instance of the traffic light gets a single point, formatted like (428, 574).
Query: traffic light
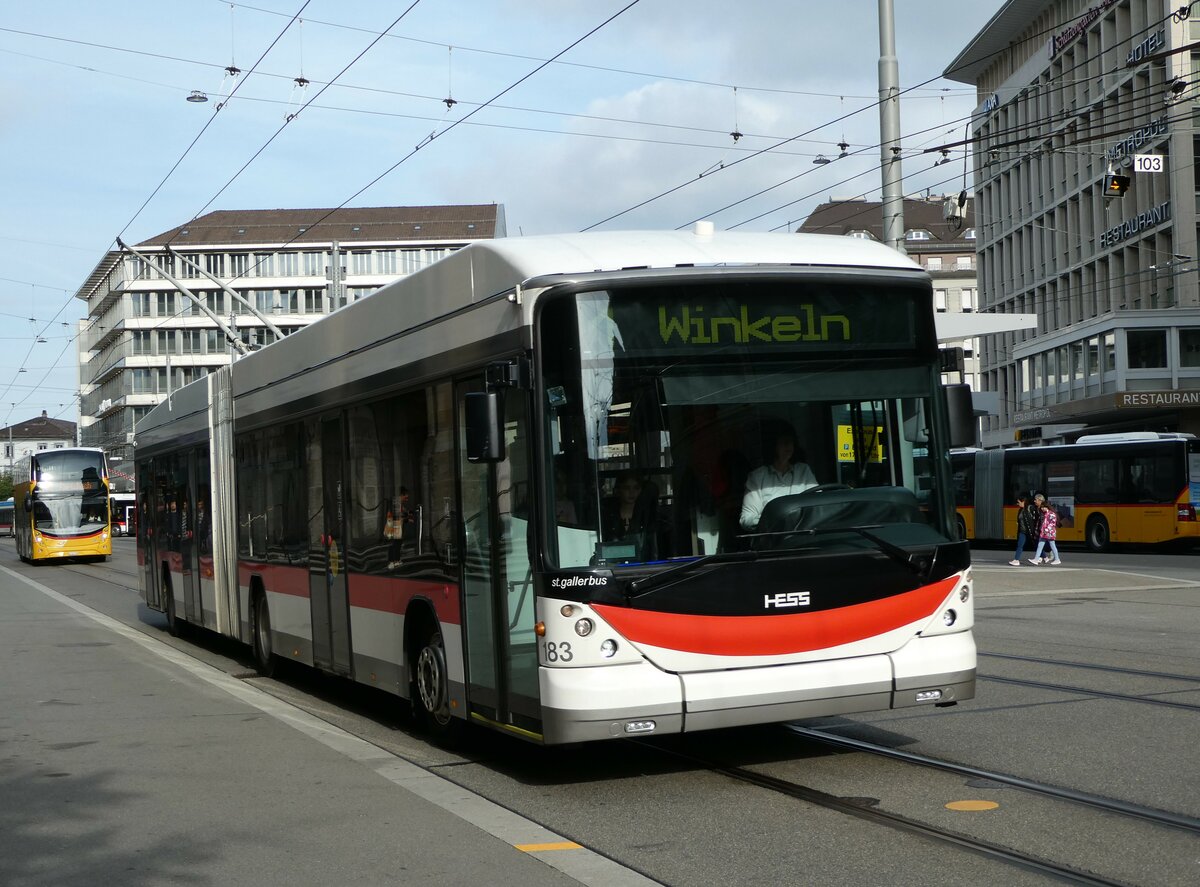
(1115, 185)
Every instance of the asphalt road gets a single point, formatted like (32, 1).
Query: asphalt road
(127, 763)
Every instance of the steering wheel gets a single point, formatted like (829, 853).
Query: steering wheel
(828, 488)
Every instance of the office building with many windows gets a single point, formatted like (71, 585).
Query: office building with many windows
(175, 307)
(1075, 96)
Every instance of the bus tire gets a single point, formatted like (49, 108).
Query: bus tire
(431, 690)
(1098, 536)
(260, 630)
(169, 608)
(960, 527)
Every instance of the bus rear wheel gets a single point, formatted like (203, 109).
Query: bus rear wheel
(264, 654)
(169, 608)
(1098, 537)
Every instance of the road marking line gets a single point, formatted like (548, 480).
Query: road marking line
(587, 867)
(539, 848)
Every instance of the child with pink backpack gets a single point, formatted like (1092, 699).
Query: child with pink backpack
(1047, 533)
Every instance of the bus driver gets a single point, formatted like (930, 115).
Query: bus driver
(777, 476)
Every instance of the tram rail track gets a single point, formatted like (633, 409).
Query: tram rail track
(865, 809)
(1092, 666)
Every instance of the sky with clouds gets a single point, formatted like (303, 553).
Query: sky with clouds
(628, 128)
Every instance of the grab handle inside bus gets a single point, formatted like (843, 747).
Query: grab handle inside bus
(485, 426)
(962, 415)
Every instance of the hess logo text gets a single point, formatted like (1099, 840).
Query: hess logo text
(786, 599)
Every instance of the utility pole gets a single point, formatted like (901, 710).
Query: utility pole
(889, 129)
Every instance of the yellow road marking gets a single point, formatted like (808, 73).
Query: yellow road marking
(972, 805)
(538, 848)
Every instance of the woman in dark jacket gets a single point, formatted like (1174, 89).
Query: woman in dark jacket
(1027, 526)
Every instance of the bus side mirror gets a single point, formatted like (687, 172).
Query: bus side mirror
(962, 415)
(485, 426)
(28, 503)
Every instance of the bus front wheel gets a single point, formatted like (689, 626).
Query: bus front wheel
(1098, 537)
(431, 690)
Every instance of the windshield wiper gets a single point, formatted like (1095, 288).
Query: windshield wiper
(917, 563)
(639, 587)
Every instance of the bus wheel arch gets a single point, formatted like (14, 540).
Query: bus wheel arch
(960, 527)
(1097, 534)
(429, 680)
(260, 629)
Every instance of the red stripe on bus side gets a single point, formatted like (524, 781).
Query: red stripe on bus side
(384, 594)
(393, 595)
(777, 634)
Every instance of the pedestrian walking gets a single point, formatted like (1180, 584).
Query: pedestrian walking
(1047, 534)
(1028, 521)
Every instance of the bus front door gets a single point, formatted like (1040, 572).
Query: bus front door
(328, 591)
(498, 599)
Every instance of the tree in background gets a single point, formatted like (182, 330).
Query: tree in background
(6, 486)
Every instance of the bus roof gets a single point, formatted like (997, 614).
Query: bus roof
(514, 260)
(488, 268)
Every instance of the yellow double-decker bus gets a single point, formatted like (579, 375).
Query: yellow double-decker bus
(62, 507)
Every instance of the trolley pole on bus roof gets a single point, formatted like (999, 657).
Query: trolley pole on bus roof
(889, 129)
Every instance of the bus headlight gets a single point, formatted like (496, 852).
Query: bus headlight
(964, 593)
(949, 617)
(584, 627)
(608, 649)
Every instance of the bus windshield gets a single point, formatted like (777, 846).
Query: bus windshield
(69, 497)
(739, 417)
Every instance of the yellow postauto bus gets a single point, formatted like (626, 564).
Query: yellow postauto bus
(1136, 488)
(62, 507)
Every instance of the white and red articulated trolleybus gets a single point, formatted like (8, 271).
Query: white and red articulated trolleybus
(511, 488)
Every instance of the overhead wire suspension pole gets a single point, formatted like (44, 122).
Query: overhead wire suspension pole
(889, 129)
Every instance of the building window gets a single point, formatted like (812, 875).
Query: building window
(166, 341)
(239, 264)
(143, 342)
(860, 235)
(189, 268)
(1110, 352)
(289, 264)
(189, 341)
(143, 381)
(166, 304)
(264, 301)
(360, 261)
(1189, 347)
(289, 302)
(1147, 349)
(8, 451)
(214, 342)
(264, 264)
(314, 264)
(968, 301)
(387, 261)
(917, 234)
(964, 263)
(314, 301)
(939, 300)
(969, 234)
(934, 263)
(214, 264)
(141, 304)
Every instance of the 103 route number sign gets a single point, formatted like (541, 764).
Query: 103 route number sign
(1148, 163)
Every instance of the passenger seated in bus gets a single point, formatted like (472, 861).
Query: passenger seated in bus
(92, 510)
(629, 515)
(782, 473)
